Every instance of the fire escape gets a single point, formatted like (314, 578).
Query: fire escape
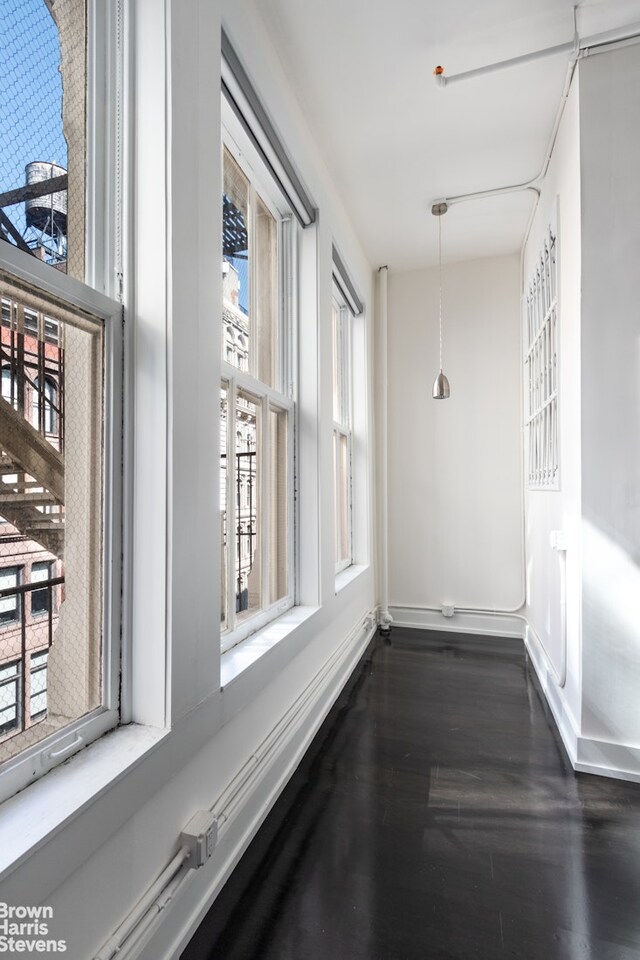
(31, 426)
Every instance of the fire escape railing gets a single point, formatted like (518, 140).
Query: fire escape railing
(38, 369)
(246, 522)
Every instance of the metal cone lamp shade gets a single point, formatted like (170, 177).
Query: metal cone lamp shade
(440, 387)
(441, 390)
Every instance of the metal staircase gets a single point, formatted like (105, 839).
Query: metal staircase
(32, 486)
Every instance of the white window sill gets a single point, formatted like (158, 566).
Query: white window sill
(37, 813)
(349, 574)
(248, 652)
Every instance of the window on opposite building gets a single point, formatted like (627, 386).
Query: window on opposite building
(9, 605)
(41, 602)
(10, 678)
(38, 694)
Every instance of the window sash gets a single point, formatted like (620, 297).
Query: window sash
(343, 524)
(36, 285)
(259, 188)
(277, 396)
(235, 382)
(342, 427)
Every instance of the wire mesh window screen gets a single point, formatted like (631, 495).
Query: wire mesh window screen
(541, 368)
(51, 506)
(43, 122)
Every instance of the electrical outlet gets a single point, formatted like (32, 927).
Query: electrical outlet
(200, 835)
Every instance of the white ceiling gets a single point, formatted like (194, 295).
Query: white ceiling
(393, 141)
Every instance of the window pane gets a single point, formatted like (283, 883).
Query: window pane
(248, 514)
(235, 265)
(42, 116)
(266, 292)
(278, 505)
(337, 363)
(223, 504)
(342, 496)
(249, 278)
(51, 501)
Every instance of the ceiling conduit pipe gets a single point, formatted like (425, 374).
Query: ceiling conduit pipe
(578, 49)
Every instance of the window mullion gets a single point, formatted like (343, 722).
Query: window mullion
(253, 283)
(232, 520)
(264, 533)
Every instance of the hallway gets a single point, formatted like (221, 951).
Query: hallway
(436, 817)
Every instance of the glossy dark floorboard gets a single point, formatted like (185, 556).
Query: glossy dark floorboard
(436, 816)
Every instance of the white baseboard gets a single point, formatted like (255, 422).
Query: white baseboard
(489, 624)
(267, 781)
(554, 696)
(606, 759)
(597, 757)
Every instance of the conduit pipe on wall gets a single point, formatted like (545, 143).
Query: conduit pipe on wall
(113, 946)
(132, 934)
(385, 619)
(559, 544)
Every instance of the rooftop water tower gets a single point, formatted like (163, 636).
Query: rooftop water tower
(47, 214)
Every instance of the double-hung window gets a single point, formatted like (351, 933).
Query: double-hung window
(60, 403)
(349, 350)
(342, 318)
(256, 399)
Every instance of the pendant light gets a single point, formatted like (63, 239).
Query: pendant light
(440, 384)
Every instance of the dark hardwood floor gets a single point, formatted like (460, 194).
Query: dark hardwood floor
(436, 816)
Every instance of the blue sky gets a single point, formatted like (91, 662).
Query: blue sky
(30, 93)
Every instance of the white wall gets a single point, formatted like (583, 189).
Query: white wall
(455, 508)
(560, 510)
(593, 174)
(609, 111)
(98, 860)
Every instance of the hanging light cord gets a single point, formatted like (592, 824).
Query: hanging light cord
(440, 283)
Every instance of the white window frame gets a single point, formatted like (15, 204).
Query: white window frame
(343, 427)
(40, 278)
(235, 380)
